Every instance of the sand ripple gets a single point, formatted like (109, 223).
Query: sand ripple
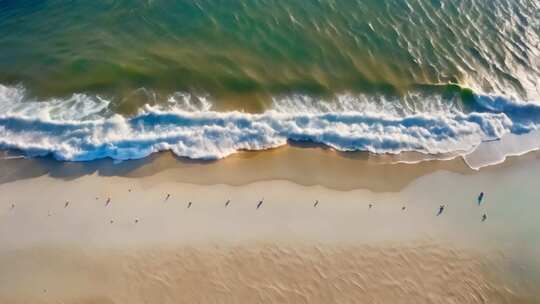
(263, 273)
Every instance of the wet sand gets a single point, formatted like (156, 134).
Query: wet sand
(302, 163)
(144, 248)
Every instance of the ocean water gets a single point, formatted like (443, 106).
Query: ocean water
(83, 80)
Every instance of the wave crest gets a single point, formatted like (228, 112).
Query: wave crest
(82, 128)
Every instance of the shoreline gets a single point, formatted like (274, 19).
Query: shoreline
(298, 163)
(494, 128)
(165, 152)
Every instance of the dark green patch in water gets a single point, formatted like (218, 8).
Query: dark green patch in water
(252, 50)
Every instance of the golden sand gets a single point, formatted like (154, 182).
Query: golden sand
(256, 273)
(144, 248)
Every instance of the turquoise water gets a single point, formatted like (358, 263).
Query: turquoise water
(410, 73)
(266, 48)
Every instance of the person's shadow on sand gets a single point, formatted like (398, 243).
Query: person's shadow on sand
(441, 209)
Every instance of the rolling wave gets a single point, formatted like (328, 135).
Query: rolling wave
(81, 128)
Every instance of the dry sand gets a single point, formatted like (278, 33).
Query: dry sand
(255, 273)
(157, 250)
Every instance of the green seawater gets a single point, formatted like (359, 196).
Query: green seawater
(244, 53)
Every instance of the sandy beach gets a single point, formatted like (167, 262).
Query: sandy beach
(156, 152)
(63, 243)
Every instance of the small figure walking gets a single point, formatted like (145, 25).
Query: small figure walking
(441, 209)
(480, 198)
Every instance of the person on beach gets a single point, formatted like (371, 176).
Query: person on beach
(66, 204)
(484, 217)
(316, 203)
(227, 203)
(441, 209)
(370, 206)
(189, 204)
(260, 203)
(168, 196)
(480, 198)
(108, 202)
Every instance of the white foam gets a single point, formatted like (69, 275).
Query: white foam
(82, 128)
(496, 152)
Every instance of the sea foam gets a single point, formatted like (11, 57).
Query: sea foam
(83, 128)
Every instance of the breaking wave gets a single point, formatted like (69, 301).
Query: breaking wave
(83, 128)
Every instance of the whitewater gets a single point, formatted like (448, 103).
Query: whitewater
(84, 128)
